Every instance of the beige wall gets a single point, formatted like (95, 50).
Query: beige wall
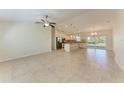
(23, 39)
(119, 38)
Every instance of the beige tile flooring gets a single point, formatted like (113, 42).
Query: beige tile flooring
(82, 65)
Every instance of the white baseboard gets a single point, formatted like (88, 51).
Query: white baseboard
(10, 59)
(118, 62)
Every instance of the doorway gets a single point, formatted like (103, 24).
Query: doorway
(98, 42)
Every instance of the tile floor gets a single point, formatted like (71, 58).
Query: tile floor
(82, 65)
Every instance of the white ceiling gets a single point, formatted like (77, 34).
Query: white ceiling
(29, 15)
(93, 20)
(81, 19)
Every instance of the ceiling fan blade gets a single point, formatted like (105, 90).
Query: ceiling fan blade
(46, 16)
(44, 26)
(38, 22)
(42, 20)
(52, 23)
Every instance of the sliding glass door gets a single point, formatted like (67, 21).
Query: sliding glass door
(96, 42)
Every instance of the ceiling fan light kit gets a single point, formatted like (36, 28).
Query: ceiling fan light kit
(46, 24)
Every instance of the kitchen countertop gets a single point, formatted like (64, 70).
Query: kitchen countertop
(73, 42)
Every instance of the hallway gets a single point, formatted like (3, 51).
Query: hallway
(82, 65)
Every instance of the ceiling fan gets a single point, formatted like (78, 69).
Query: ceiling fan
(44, 21)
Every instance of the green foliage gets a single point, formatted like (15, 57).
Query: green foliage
(98, 41)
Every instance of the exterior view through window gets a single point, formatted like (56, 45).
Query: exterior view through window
(96, 42)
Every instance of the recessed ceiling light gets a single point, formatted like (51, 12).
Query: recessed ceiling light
(66, 25)
(108, 21)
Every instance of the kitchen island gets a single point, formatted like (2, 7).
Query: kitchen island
(70, 46)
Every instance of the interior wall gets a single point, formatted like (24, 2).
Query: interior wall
(23, 39)
(53, 33)
(119, 38)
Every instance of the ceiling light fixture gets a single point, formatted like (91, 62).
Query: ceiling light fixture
(66, 26)
(94, 33)
(108, 21)
(46, 24)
